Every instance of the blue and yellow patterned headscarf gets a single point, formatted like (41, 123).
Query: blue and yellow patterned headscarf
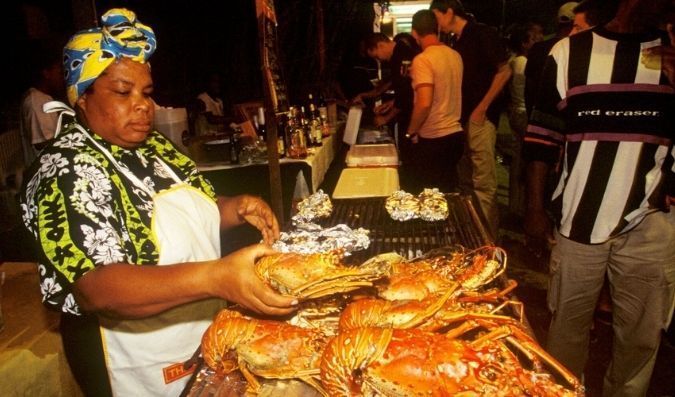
(90, 52)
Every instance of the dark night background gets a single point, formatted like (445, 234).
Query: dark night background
(198, 36)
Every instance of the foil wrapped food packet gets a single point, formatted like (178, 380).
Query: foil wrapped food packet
(307, 239)
(402, 206)
(430, 205)
(315, 206)
(433, 205)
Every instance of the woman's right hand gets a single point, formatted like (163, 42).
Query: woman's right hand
(234, 279)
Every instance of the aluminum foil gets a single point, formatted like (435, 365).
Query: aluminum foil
(310, 240)
(433, 205)
(430, 205)
(402, 206)
(317, 205)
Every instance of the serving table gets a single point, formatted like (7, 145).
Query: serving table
(253, 177)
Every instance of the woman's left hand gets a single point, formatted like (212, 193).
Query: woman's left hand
(237, 210)
(256, 212)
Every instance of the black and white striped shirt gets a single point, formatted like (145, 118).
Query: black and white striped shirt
(613, 113)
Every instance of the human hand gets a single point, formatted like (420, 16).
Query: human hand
(255, 211)
(478, 116)
(384, 108)
(380, 120)
(665, 53)
(234, 279)
(358, 101)
(538, 233)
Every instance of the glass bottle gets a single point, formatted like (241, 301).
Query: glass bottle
(262, 131)
(304, 124)
(297, 145)
(281, 134)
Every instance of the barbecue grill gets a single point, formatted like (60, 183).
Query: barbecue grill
(410, 238)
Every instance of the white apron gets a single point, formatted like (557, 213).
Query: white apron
(145, 357)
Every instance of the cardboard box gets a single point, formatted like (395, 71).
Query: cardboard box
(172, 122)
(366, 182)
(378, 155)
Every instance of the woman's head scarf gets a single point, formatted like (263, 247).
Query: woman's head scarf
(90, 52)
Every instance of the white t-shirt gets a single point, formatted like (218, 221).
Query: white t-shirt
(440, 66)
(36, 125)
(214, 106)
(517, 84)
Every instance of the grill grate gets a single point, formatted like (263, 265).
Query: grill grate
(411, 238)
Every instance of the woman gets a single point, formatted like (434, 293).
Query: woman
(128, 229)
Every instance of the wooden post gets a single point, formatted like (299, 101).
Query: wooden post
(321, 38)
(268, 56)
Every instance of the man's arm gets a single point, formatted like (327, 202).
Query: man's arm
(541, 150)
(537, 222)
(499, 80)
(129, 291)
(664, 53)
(378, 90)
(424, 94)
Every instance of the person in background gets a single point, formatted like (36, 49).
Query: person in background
(398, 53)
(486, 72)
(612, 120)
(210, 117)
(435, 128)
(128, 231)
(521, 39)
(37, 127)
(356, 74)
(590, 13)
(537, 54)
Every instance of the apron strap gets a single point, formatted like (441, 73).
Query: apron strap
(61, 108)
(169, 171)
(125, 171)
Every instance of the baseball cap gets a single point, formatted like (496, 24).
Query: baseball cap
(566, 12)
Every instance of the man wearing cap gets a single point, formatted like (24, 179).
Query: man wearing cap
(486, 72)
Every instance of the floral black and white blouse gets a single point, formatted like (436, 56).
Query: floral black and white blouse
(84, 213)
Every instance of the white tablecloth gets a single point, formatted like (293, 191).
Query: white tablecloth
(319, 159)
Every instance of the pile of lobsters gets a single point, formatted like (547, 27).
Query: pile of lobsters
(442, 324)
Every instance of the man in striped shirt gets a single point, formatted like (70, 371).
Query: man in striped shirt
(607, 105)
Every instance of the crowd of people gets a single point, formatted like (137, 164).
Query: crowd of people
(127, 229)
(592, 172)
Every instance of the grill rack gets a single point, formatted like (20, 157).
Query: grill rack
(411, 238)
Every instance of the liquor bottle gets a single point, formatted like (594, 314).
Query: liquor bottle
(323, 116)
(281, 134)
(313, 110)
(234, 148)
(304, 124)
(262, 131)
(316, 131)
(323, 109)
(297, 145)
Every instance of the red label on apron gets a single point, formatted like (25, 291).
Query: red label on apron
(176, 371)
